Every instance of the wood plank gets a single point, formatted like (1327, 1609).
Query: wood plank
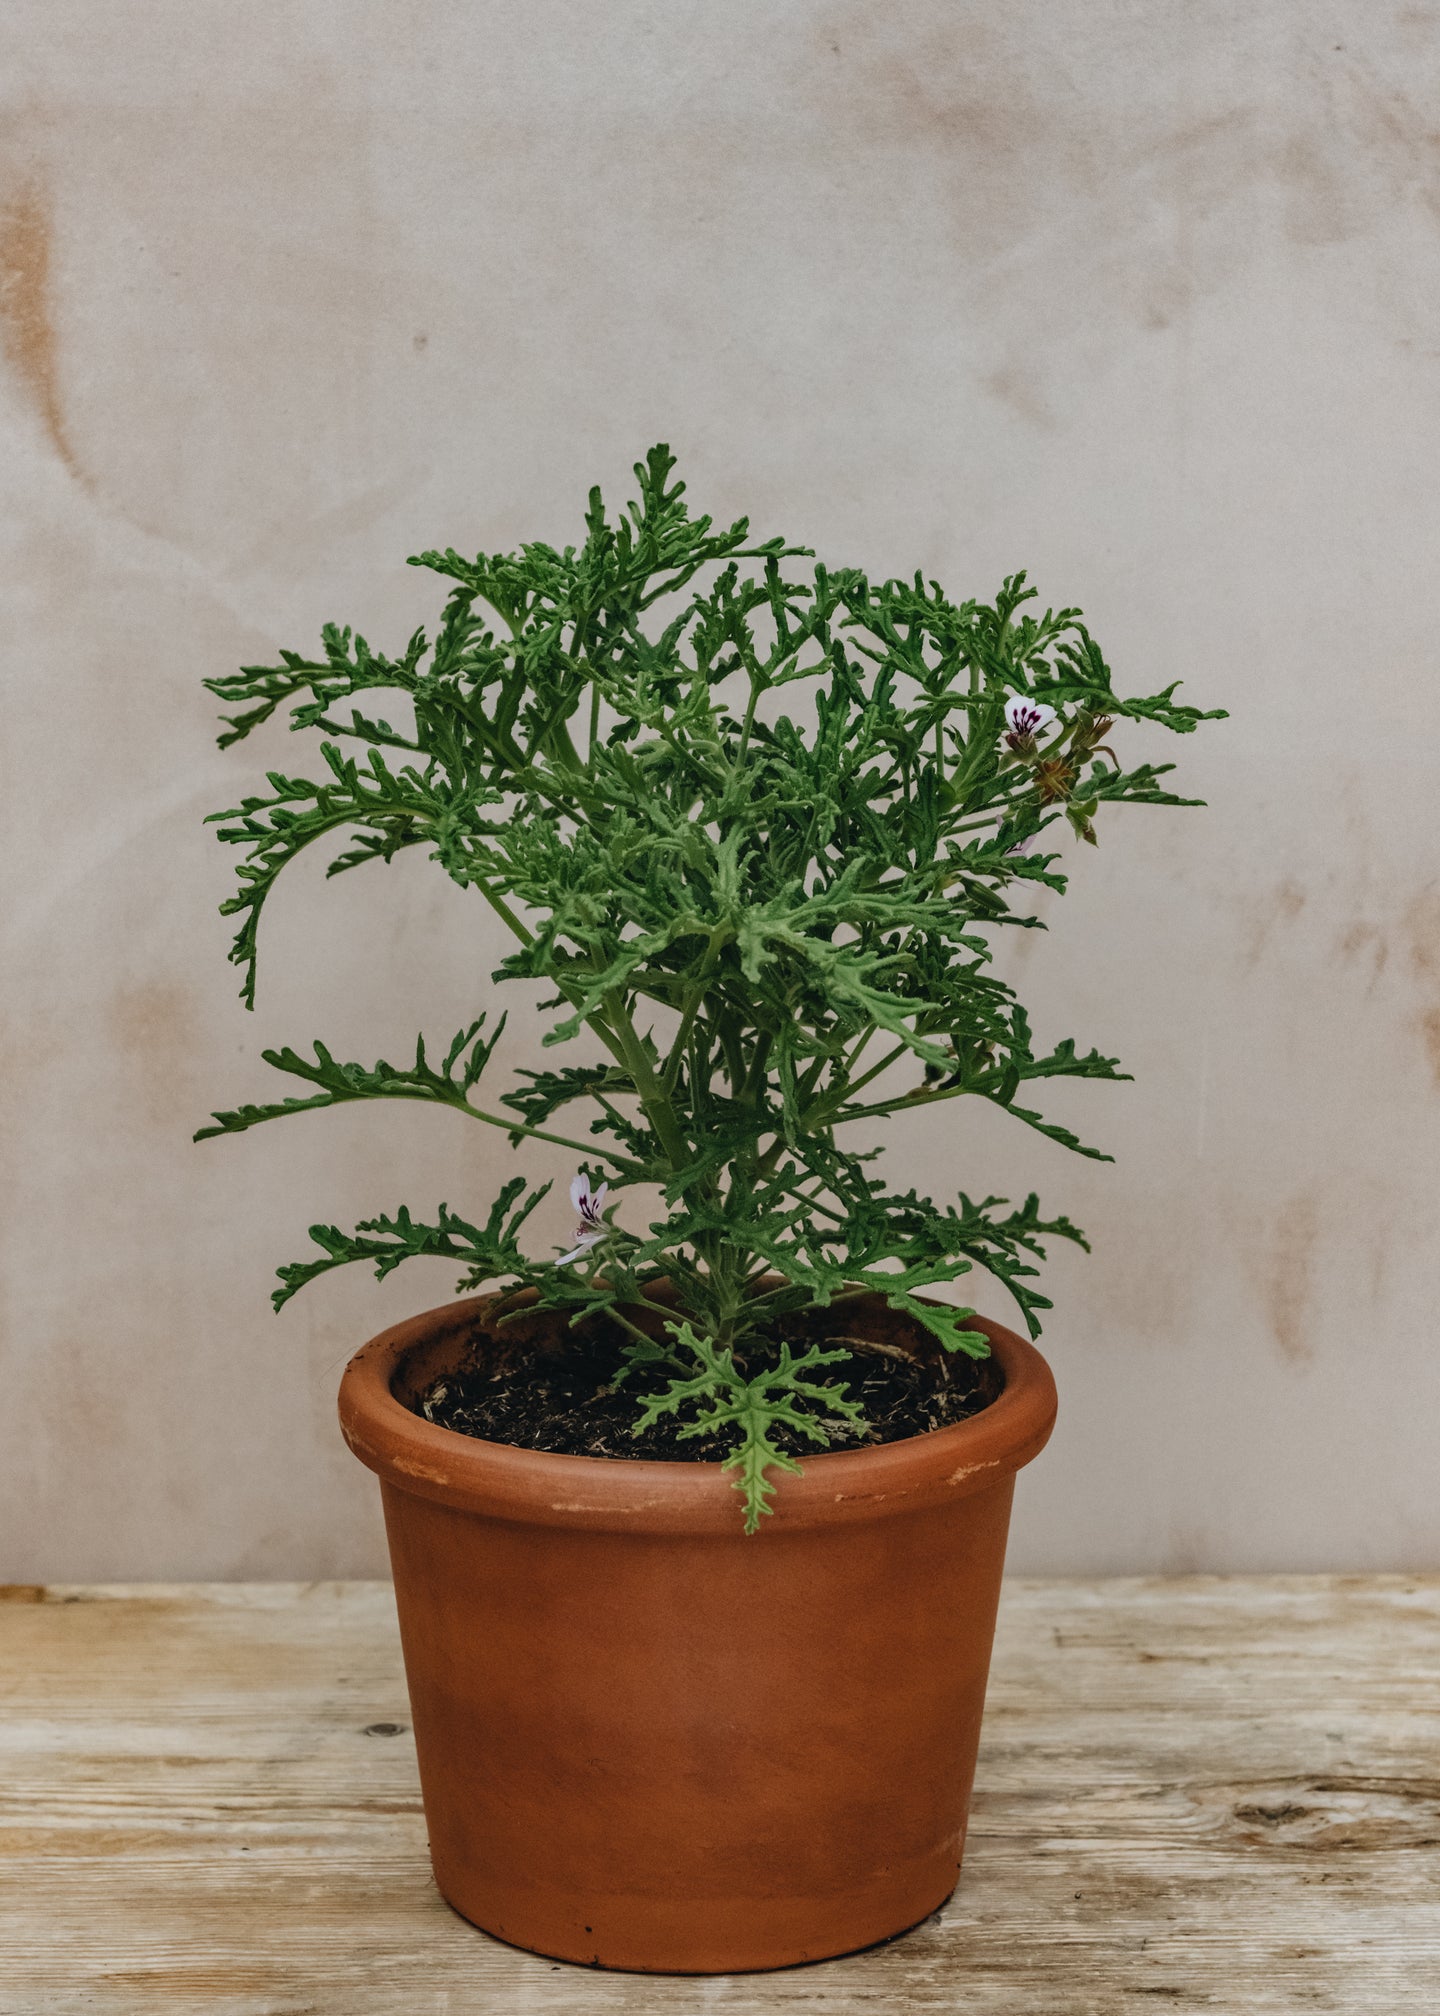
(1218, 1795)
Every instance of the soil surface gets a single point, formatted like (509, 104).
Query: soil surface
(557, 1391)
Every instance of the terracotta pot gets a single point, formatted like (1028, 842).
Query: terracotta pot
(649, 1742)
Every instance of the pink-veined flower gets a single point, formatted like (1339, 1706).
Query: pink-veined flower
(592, 1227)
(1024, 719)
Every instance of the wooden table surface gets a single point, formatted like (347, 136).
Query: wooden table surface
(1206, 1794)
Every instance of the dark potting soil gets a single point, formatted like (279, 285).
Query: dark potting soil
(561, 1396)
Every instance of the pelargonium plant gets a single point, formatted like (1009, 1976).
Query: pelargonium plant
(745, 918)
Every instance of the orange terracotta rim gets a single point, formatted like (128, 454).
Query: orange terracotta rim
(609, 1494)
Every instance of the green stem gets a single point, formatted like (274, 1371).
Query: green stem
(754, 1083)
(748, 723)
(718, 938)
(908, 1103)
(812, 1076)
(819, 1115)
(591, 1148)
(593, 1021)
(837, 1098)
(502, 910)
(658, 1109)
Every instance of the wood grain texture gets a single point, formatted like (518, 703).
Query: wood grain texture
(1207, 1794)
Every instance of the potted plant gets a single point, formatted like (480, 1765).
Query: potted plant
(697, 1527)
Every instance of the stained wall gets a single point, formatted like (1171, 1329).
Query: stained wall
(1142, 298)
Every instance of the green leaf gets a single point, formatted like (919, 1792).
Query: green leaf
(727, 1402)
(489, 1252)
(949, 1325)
(466, 1058)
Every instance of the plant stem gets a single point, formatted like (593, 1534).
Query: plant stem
(718, 938)
(658, 1109)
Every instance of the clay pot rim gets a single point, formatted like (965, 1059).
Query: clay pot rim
(607, 1493)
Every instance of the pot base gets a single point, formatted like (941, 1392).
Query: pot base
(691, 1955)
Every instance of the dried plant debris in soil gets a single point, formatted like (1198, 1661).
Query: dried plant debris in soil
(561, 1395)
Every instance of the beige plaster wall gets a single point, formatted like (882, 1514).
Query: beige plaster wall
(1145, 298)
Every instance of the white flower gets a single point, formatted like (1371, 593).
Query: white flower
(1025, 718)
(588, 1207)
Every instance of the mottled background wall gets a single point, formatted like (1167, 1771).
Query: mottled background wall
(1142, 297)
